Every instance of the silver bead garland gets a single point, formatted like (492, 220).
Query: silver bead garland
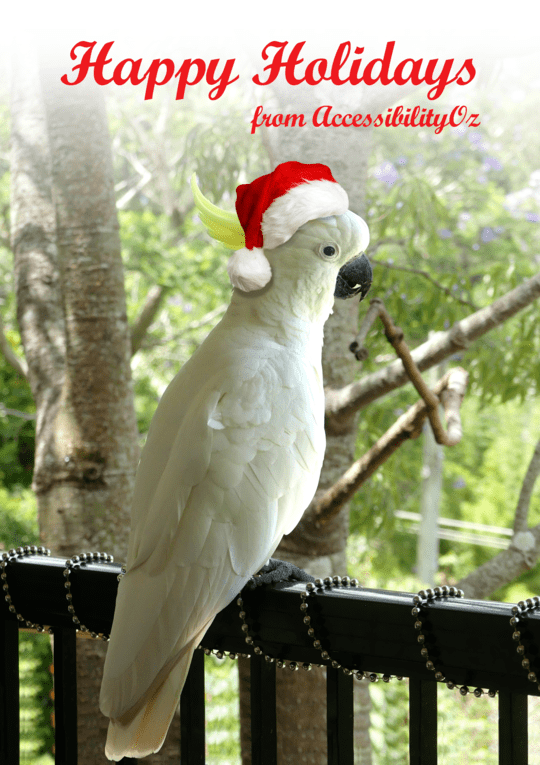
(312, 588)
(13, 554)
(280, 663)
(80, 560)
(420, 600)
(517, 614)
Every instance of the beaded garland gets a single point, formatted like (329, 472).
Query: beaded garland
(420, 601)
(517, 614)
(311, 589)
(81, 560)
(13, 554)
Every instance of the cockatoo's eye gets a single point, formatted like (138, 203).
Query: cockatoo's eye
(329, 250)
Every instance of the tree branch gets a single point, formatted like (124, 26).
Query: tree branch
(504, 567)
(524, 501)
(147, 315)
(408, 426)
(523, 551)
(6, 412)
(341, 404)
(19, 365)
(126, 198)
(394, 335)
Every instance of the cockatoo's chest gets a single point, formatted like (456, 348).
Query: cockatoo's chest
(280, 390)
(268, 444)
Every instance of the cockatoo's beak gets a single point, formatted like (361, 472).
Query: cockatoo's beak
(353, 278)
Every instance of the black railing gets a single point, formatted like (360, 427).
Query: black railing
(362, 629)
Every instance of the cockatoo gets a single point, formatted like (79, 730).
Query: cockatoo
(235, 448)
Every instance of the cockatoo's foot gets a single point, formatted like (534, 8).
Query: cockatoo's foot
(279, 571)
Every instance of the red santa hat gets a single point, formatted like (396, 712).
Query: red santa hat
(272, 208)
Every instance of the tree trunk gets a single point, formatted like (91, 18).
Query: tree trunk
(73, 322)
(301, 711)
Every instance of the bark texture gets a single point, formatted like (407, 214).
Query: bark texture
(33, 236)
(86, 489)
(73, 323)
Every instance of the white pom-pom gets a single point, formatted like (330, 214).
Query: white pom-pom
(249, 270)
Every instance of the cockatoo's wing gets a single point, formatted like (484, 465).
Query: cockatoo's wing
(232, 460)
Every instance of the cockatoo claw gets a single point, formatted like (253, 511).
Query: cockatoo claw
(279, 571)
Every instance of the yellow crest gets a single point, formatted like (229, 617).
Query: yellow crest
(220, 224)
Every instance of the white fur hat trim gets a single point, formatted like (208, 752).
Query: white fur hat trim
(307, 201)
(249, 270)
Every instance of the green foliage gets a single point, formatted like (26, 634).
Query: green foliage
(467, 728)
(222, 723)
(18, 518)
(482, 480)
(18, 527)
(197, 293)
(389, 730)
(437, 204)
(446, 241)
(17, 434)
(477, 723)
(36, 705)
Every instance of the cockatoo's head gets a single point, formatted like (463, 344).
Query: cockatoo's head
(331, 250)
(323, 259)
(292, 230)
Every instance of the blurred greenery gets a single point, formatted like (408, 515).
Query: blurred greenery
(18, 527)
(447, 206)
(36, 702)
(452, 206)
(222, 721)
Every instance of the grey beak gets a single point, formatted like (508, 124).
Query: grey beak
(353, 278)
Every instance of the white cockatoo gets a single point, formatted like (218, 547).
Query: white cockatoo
(234, 452)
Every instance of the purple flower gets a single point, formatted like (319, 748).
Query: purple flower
(387, 173)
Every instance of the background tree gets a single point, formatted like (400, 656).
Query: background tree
(72, 316)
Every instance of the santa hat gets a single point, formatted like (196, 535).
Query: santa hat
(272, 208)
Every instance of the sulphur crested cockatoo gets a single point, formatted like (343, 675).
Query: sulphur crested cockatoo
(234, 452)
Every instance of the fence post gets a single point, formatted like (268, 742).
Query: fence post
(263, 711)
(65, 695)
(422, 722)
(192, 739)
(9, 692)
(339, 717)
(513, 722)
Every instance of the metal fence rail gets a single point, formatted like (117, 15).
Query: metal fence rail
(362, 629)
